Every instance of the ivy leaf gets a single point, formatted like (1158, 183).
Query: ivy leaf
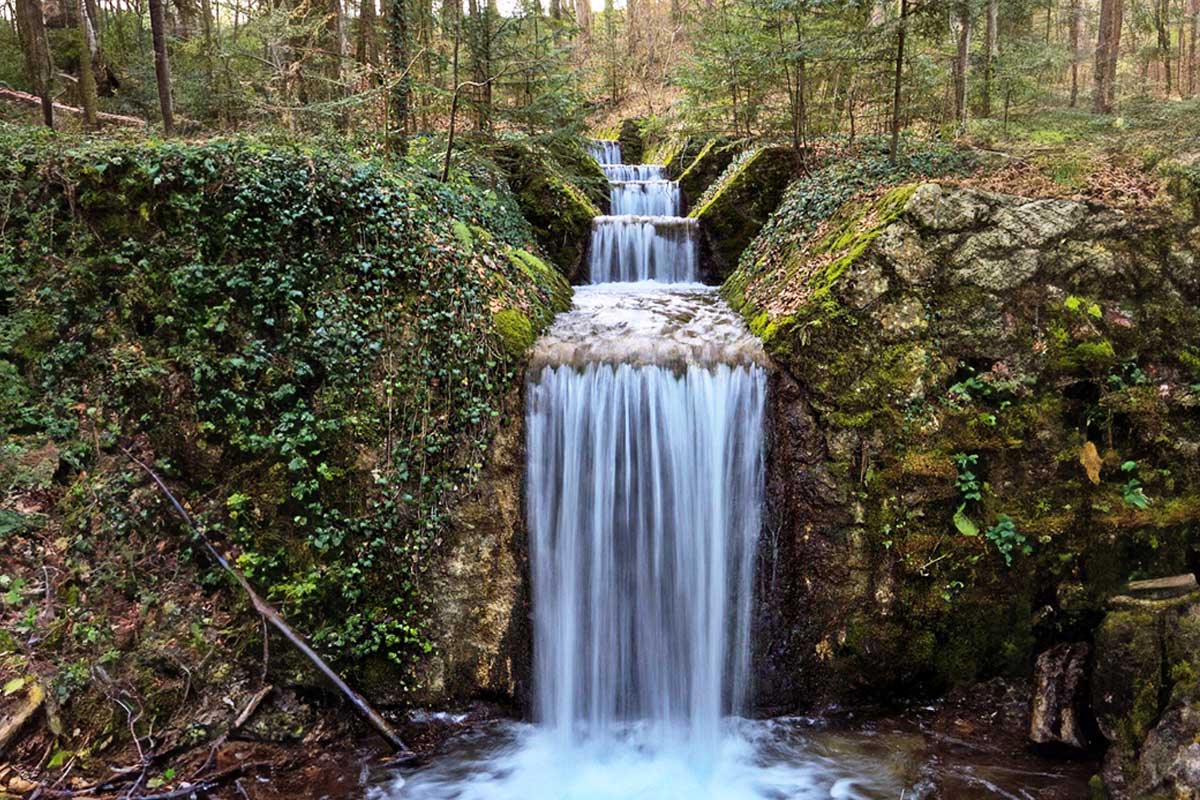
(966, 526)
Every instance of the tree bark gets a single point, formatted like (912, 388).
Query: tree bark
(961, 64)
(991, 26)
(896, 85)
(583, 18)
(1194, 25)
(1162, 11)
(398, 45)
(1076, 23)
(31, 28)
(87, 76)
(364, 49)
(1108, 47)
(162, 66)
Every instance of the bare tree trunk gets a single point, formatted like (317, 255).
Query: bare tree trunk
(896, 86)
(398, 46)
(32, 30)
(87, 76)
(1076, 23)
(991, 26)
(961, 64)
(1162, 11)
(364, 50)
(583, 18)
(1194, 24)
(162, 66)
(1108, 47)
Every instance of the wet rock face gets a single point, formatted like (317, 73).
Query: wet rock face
(947, 357)
(1146, 696)
(1059, 697)
(480, 620)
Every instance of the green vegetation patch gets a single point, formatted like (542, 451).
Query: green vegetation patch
(313, 348)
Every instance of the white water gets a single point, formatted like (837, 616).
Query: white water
(657, 198)
(628, 248)
(644, 427)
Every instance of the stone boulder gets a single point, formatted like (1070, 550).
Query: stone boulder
(983, 423)
(1146, 696)
(1060, 697)
(733, 210)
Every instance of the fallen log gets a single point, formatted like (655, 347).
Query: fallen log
(10, 726)
(272, 616)
(33, 100)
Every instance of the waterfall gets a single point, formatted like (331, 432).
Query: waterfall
(634, 172)
(645, 487)
(628, 248)
(650, 198)
(644, 239)
(605, 151)
(644, 414)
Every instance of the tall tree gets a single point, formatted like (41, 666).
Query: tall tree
(162, 66)
(31, 28)
(1076, 33)
(1194, 25)
(962, 25)
(1162, 21)
(399, 95)
(583, 18)
(1108, 48)
(364, 45)
(87, 75)
(990, 31)
(894, 147)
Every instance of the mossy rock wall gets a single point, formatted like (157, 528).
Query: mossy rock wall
(699, 163)
(986, 419)
(558, 207)
(734, 209)
(632, 141)
(317, 353)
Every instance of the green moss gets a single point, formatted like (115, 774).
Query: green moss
(737, 205)
(515, 331)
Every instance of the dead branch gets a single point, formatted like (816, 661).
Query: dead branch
(269, 613)
(13, 724)
(33, 100)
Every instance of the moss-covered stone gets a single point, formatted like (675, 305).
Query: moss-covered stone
(734, 209)
(700, 162)
(912, 356)
(559, 211)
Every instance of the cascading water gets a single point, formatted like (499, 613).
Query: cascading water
(629, 248)
(645, 479)
(650, 198)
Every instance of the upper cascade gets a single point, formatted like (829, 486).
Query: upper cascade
(644, 238)
(634, 172)
(645, 198)
(605, 151)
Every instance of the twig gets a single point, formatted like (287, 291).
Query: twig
(269, 613)
(247, 712)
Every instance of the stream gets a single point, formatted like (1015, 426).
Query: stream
(644, 474)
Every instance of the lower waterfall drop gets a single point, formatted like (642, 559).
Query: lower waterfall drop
(645, 481)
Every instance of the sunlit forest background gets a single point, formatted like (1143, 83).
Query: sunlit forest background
(386, 73)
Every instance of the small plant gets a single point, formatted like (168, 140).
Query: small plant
(968, 482)
(1008, 539)
(1131, 491)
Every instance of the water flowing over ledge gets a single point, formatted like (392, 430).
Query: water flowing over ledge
(645, 198)
(629, 248)
(634, 172)
(639, 324)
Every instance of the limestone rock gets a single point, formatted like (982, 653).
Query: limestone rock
(936, 208)
(1058, 698)
(1169, 764)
